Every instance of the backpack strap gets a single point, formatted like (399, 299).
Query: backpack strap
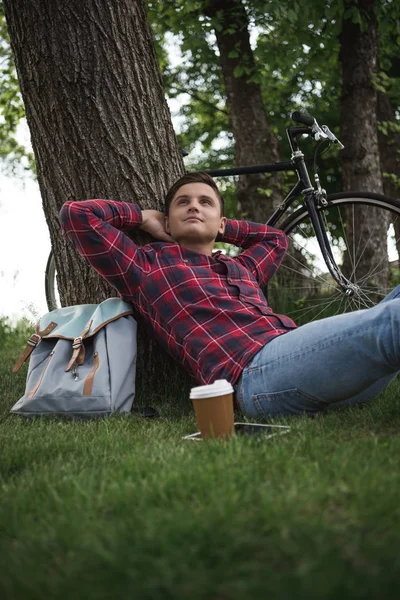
(78, 349)
(31, 344)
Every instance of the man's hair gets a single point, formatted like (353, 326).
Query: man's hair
(199, 177)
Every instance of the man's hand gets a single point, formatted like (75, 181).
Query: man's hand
(154, 223)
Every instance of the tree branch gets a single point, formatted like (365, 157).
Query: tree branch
(200, 99)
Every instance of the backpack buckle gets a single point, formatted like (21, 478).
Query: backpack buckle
(77, 343)
(34, 340)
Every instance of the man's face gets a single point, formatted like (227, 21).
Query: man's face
(195, 214)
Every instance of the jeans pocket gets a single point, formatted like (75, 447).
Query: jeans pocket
(285, 402)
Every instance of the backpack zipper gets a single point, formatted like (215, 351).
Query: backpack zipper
(87, 388)
(35, 389)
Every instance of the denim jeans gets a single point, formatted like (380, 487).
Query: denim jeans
(339, 361)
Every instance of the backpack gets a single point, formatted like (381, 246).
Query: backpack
(82, 362)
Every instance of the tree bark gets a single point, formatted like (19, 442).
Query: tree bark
(99, 123)
(359, 134)
(255, 143)
(389, 146)
(389, 151)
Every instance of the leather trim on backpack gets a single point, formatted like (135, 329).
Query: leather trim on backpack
(78, 352)
(33, 341)
(103, 324)
(87, 388)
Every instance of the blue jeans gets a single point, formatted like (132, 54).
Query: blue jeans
(339, 361)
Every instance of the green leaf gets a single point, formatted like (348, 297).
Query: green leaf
(238, 71)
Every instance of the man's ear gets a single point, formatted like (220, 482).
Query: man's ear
(166, 225)
(221, 228)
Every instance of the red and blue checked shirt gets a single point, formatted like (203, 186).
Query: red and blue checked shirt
(208, 312)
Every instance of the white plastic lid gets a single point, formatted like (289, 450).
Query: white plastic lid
(220, 387)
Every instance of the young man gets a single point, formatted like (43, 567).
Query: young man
(208, 311)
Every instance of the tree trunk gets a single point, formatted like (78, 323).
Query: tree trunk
(259, 194)
(99, 123)
(389, 147)
(254, 141)
(389, 151)
(360, 158)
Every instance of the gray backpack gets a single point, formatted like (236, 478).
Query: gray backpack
(82, 362)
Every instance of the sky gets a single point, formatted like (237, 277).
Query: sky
(24, 248)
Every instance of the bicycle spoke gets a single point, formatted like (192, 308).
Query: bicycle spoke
(364, 301)
(321, 306)
(339, 309)
(362, 253)
(371, 273)
(382, 292)
(313, 275)
(354, 250)
(345, 235)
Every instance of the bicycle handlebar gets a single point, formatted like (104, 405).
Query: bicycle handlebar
(317, 132)
(302, 118)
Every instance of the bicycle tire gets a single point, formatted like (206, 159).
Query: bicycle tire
(50, 284)
(311, 293)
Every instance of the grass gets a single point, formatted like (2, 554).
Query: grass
(124, 508)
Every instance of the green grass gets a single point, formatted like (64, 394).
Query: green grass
(124, 508)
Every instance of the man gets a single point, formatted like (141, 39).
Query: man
(208, 311)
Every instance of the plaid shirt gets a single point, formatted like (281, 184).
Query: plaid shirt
(209, 313)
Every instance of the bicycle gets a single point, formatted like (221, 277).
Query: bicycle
(360, 231)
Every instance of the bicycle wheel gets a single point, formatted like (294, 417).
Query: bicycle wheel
(50, 284)
(364, 233)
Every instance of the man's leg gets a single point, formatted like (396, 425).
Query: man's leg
(375, 389)
(395, 293)
(339, 360)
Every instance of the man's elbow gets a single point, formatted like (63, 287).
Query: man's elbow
(283, 241)
(68, 214)
(63, 215)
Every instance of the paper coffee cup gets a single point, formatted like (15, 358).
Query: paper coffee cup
(213, 405)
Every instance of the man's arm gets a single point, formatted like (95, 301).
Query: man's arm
(264, 247)
(95, 228)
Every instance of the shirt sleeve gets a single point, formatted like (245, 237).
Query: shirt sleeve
(264, 247)
(94, 227)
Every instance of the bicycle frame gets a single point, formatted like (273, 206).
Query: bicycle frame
(312, 199)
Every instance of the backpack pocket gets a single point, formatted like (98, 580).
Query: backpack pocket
(39, 382)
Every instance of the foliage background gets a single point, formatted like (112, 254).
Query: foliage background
(296, 47)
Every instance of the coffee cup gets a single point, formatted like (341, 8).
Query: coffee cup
(213, 405)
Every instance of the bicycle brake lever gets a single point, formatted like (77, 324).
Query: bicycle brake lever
(318, 132)
(331, 136)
